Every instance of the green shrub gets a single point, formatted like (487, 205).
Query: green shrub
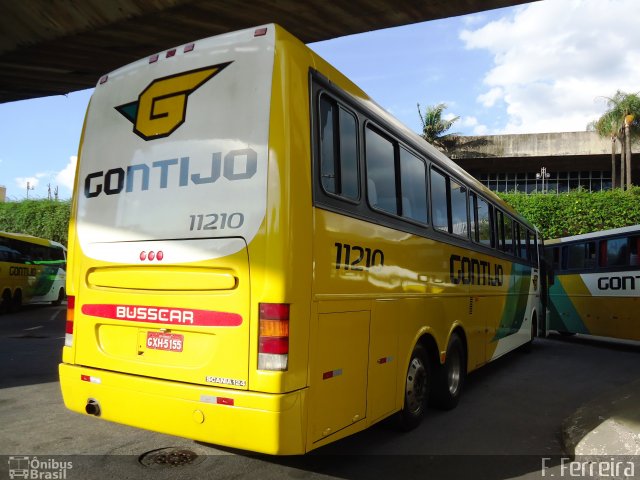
(558, 215)
(578, 211)
(41, 218)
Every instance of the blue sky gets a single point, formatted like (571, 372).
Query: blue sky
(541, 67)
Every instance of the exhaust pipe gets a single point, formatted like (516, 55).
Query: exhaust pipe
(92, 407)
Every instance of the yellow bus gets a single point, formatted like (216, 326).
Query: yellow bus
(594, 285)
(263, 258)
(32, 270)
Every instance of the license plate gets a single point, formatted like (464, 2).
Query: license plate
(171, 342)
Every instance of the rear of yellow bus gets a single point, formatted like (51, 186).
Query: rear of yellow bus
(179, 315)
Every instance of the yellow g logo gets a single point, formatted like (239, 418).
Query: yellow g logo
(162, 107)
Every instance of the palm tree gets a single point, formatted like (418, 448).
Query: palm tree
(609, 126)
(626, 108)
(434, 127)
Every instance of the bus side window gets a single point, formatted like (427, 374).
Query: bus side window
(485, 231)
(581, 256)
(327, 145)
(338, 150)
(459, 220)
(634, 250)
(381, 172)
(439, 203)
(614, 252)
(524, 243)
(499, 223)
(521, 243)
(531, 246)
(349, 178)
(413, 184)
(508, 235)
(555, 259)
(590, 255)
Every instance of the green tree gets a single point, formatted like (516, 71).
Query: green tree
(434, 127)
(41, 218)
(623, 113)
(609, 126)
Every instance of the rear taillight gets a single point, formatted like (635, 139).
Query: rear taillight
(273, 349)
(68, 337)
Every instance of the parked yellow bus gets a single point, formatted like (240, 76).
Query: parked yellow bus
(595, 283)
(32, 270)
(263, 258)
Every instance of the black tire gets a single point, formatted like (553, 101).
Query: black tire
(5, 302)
(534, 334)
(61, 297)
(16, 302)
(416, 390)
(450, 377)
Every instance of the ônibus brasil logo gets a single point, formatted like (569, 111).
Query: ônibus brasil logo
(162, 107)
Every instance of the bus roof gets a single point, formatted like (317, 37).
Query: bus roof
(587, 236)
(31, 239)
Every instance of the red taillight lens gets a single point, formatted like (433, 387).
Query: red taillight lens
(68, 337)
(273, 342)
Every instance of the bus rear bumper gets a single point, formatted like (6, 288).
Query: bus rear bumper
(260, 422)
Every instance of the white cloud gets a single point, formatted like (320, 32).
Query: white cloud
(471, 122)
(63, 178)
(489, 98)
(553, 59)
(67, 176)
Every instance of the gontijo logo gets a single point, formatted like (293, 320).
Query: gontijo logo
(162, 107)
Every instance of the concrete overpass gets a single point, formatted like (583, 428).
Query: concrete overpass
(53, 47)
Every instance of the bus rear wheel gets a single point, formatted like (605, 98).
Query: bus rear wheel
(416, 391)
(451, 376)
(16, 302)
(60, 298)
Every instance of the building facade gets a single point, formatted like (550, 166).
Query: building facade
(549, 162)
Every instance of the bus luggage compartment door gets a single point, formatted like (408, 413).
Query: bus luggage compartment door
(339, 375)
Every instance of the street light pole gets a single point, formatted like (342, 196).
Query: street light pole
(542, 176)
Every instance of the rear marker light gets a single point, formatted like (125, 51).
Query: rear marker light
(68, 329)
(383, 360)
(154, 58)
(90, 379)
(104, 79)
(273, 341)
(260, 32)
(332, 374)
(171, 53)
(151, 256)
(217, 400)
(189, 48)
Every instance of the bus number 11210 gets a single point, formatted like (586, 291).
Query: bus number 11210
(354, 257)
